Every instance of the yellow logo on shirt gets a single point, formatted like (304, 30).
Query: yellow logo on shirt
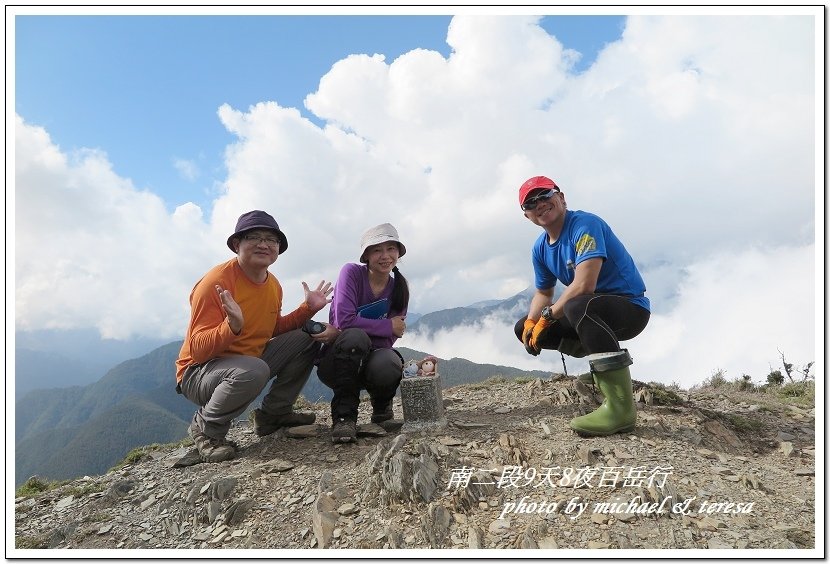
(585, 244)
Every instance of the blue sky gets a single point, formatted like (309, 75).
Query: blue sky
(139, 140)
(146, 89)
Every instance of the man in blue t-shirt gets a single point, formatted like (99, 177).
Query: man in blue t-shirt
(603, 301)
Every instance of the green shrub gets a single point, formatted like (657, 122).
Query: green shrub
(140, 453)
(716, 380)
(743, 424)
(744, 383)
(803, 392)
(132, 457)
(664, 395)
(80, 491)
(33, 486)
(775, 378)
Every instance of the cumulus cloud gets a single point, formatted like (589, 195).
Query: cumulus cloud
(693, 136)
(93, 251)
(438, 146)
(736, 312)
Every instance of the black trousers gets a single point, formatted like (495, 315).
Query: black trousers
(350, 365)
(599, 321)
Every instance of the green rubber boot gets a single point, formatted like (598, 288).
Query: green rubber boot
(587, 379)
(617, 413)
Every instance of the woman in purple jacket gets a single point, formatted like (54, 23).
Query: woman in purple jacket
(369, 307)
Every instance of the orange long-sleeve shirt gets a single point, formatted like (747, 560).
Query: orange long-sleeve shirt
(209, 335)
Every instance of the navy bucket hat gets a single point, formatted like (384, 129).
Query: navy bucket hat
(257, 219)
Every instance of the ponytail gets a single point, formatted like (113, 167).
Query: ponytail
(400, 293)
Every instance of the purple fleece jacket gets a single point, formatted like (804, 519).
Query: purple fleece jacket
(353, 291)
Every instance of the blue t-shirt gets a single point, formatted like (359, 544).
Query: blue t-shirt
(585, 236)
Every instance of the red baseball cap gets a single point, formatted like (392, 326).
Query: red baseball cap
(535, 183)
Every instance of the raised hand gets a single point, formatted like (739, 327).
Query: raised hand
(232, 310)
(318, 298)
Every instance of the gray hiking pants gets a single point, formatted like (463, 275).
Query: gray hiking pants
(225, 386)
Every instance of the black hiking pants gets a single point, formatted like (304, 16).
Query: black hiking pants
(351, 365)
(599, 321)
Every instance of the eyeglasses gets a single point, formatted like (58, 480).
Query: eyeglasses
(271, 241)
(531, 203)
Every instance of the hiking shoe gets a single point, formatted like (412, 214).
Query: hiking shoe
(265, 424)
(344, 431)
(211, 449)
(379, 415)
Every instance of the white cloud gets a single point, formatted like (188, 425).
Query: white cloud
(692, 135)
(438, 146)
(491, 342)
(736, 310)
(91, 250)
(188, 170)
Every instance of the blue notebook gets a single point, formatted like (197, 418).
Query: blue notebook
(374, 310)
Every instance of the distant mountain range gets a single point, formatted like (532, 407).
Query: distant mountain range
(511, 309)
(65, 432)
(52, 358)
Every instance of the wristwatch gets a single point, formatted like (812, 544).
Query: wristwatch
(547, 315)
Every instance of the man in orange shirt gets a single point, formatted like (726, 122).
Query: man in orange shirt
(238, 340)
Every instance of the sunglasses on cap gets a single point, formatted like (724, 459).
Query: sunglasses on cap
(531, 203)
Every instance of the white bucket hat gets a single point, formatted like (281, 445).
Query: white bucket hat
(377, 235)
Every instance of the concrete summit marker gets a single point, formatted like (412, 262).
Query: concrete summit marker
(423, 406)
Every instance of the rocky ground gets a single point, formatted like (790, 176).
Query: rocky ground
(504, 473)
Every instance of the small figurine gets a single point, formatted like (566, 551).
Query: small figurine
(410, 369)
(428, 366)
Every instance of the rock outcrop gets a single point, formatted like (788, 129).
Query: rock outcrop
(714, 469)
